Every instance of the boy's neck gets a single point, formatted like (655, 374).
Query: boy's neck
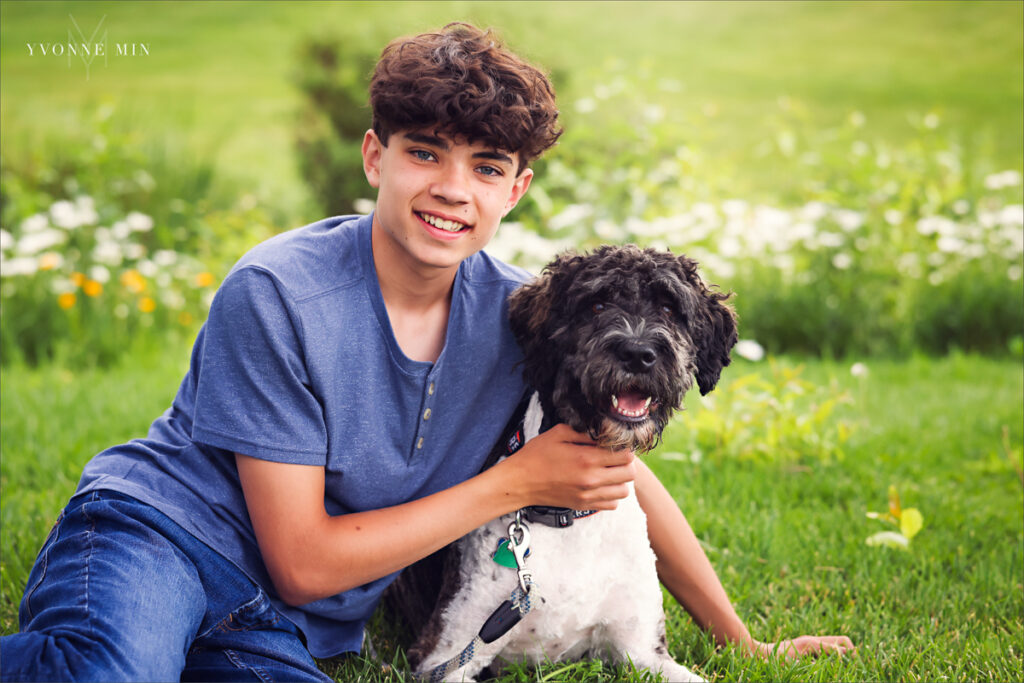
(406, 283)
(417, 298)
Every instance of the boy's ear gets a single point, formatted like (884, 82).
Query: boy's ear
(520, 187)
(372, 150)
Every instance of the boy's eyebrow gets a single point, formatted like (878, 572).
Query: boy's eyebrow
(436, 141)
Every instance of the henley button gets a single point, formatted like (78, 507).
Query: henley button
(430, 389)
(426, 414)
(419, 444)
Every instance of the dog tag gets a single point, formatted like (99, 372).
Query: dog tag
(503, 555)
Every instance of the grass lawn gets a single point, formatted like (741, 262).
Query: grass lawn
(220, 76)
(787, 538)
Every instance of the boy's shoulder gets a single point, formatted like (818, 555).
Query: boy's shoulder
(313, 258)
(482, 268)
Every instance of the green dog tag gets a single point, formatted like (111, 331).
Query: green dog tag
(503, 555)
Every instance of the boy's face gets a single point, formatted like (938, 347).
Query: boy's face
(440, 200)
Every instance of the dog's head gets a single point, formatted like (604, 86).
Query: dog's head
(613, 339)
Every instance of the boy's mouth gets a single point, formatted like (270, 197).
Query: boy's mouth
(441, 223)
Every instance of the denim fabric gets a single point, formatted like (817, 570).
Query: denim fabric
(119, 592)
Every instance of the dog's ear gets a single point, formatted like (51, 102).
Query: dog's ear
(713, 330)
(530, 316)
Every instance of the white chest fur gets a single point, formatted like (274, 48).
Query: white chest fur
(596, 592)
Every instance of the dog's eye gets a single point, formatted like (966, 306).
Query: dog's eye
(597, 308)
(668, 312)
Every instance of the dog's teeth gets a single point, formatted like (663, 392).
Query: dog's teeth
(647, 403)
(615, 402)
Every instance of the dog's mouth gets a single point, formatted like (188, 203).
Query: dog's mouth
(631, 406)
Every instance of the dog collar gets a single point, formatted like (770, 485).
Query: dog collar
(517, 433)
(559, 518)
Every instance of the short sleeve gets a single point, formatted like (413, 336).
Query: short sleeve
(253, 393)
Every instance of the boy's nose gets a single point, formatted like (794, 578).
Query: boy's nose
(450, 186)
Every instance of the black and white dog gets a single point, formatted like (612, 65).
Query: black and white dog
(612, 341)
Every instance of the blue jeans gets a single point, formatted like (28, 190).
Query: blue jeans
(119, 592)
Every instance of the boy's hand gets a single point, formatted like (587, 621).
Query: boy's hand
(565, 468)
(805, 645)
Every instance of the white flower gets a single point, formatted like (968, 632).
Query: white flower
(65, 215)
(750, 350)
(108, 253)
(893, 216)
(814, 211)
(139, 222)
(570, 215)
(100, 274)
(134, 251)
(998, 181)
(62, 285)
(734, 207)
(585, 105)
(165, 257)
(1013, 272)
(121, 310)
(120, 230)
(859, 370)
(949, 244)
(830, 239)
(147, 268)
(35, 223)
(86, 210)
(857, 119)
(24, 265)
(931, 121)
(6, 240)
(1012, 215)
(961, 207)
(364, 206)
(848, 219)
(35, 242)
(930, 225)
(842, 260)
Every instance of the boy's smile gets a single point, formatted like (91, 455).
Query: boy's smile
(439, 199)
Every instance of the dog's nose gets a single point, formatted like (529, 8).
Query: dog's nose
(637, 356)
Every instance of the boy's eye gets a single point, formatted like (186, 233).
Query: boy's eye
(422, 155)
(489, 171)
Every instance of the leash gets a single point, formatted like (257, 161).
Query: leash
(526, 422)
(510, 612)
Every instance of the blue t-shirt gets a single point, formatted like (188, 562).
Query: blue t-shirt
(297, 363)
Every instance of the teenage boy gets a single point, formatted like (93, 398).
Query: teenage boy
(341, 399)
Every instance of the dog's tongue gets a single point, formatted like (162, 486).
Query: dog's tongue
(631, 403)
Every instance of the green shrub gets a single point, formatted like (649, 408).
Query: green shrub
(108, 241)
(334, 76)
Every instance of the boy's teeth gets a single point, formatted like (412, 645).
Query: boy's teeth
(448, 226)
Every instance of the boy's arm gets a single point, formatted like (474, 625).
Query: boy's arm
(686, 572)
(311, 555)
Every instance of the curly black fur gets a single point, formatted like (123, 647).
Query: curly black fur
(620, 319)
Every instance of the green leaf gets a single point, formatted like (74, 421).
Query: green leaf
(911, 522)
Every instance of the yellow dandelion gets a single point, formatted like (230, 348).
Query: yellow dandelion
(204, 279)
(133, 281)
(78, 278)
(66, 300)
(92, 288)
(185, 319)
(50, 260)
(147, 305)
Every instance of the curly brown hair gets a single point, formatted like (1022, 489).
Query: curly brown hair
(461, 81)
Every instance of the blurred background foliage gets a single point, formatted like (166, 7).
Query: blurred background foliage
(851, 170)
